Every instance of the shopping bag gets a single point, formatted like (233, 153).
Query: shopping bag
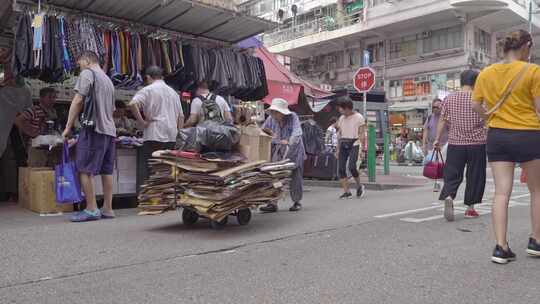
(434, 169)
(67, 186)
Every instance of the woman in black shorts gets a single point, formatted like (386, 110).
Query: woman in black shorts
(510, 91)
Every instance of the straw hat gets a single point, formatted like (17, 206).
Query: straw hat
(280, 105)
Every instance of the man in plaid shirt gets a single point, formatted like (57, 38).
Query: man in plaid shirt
(466, 147)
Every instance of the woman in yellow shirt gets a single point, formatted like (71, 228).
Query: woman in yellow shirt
(514, 134)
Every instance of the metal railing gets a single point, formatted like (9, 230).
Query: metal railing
(319, 25)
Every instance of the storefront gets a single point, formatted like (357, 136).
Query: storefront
(191, 41)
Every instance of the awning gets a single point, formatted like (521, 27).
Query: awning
(282, 82)
(318, 105)
(183, 16)
(409, 106)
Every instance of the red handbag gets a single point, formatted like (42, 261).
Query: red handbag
(434, 169)
(523, 177)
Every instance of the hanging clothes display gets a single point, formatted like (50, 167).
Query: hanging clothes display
(48, 46)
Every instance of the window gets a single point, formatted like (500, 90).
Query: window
(376, 52)
(404, 47)
(423, 88)
(444, 39)
(482, 41)
(409, 87)
(396, 89)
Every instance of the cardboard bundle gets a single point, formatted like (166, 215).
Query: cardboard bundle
(212, 188)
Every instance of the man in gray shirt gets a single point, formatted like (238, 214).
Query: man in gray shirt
(96, 149)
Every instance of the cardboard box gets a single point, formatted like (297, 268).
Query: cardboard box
(37, 192)
(255, 144)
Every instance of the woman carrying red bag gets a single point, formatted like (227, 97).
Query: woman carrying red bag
(466, 148)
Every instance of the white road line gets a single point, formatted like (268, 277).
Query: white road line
(456, 203)
(420, 220)
(406, 212)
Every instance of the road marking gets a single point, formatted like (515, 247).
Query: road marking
(406, 212)
(483, 209)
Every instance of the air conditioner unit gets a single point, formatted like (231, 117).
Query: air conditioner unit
(427, 34)
(318, 11)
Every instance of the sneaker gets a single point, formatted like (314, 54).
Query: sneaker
(86, 216)
(501, 256)
(269, 208)
(437, 187)
(471, 213)
(296, 207)
(346, 195)
(107, 215)
(449, 209)
(360, 191)
(534, 248)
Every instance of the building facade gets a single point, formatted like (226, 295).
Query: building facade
(417, 47)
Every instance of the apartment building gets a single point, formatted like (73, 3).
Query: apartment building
(418, 47)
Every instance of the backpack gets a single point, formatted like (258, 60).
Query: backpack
(210, 109)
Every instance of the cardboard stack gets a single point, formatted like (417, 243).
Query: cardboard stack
(212, 188)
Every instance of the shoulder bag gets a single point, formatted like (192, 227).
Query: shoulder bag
(508, 90)
(88, 115)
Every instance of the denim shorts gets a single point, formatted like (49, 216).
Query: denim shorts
(516, 146)
(96, 153)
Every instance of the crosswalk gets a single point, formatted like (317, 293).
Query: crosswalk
(520, 198)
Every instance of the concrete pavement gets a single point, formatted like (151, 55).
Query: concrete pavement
(353, 251)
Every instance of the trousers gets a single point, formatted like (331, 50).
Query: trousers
(348, 152)
(474, 158)
(150, 147)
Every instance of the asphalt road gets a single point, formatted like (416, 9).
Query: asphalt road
(389, 247)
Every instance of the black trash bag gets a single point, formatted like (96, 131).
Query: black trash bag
(189, 140)
(215, 136)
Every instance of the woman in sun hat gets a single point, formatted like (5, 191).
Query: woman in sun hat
(286, 131)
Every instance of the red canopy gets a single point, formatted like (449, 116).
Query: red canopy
(282, 83)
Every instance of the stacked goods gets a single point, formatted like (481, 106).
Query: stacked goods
(212, 188)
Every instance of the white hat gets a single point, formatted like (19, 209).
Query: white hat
(280, 105)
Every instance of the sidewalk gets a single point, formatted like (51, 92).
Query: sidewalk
(383, 182)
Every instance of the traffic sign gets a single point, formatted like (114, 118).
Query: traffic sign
(364, 79)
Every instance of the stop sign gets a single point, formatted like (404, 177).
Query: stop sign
(364, 79)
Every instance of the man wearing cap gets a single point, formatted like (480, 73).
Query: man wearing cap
(286, 131)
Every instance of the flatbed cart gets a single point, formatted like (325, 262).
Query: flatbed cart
(190, 217)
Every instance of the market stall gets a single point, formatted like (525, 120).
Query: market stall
(190, 40)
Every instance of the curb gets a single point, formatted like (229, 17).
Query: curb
(369, 186)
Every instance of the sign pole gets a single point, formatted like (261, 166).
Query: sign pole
(365, 106)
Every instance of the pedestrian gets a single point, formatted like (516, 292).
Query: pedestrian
(331, 137)
(35, 121)
(95, 149)
(208, 106)
(466, 147)
(430, 132)
(351, 137)
(287, 143)
(163, 115)
(510, 91)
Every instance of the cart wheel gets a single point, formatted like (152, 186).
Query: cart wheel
(243, 216)
(189, 217)
(219, 225)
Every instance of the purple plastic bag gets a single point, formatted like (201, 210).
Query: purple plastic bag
(66, 181)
